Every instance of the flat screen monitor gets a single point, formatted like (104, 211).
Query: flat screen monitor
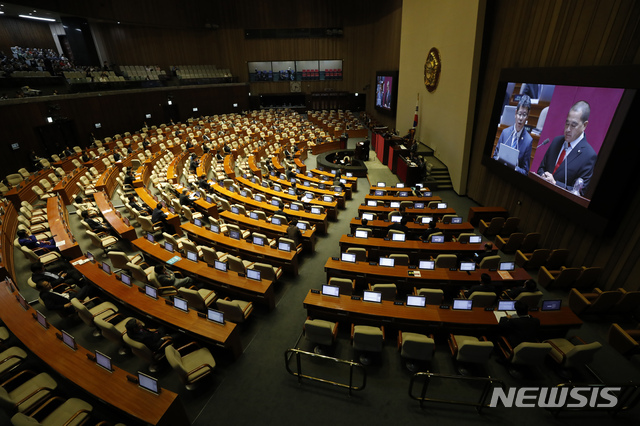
(192, 256)
(327, 198)
(418, 206)
(292, 180)
(284, 246)
(292, 191)
(427, 193)
(551, 305)
(253, 215)
(106, 267)
(348, 257)
(403, 194)
(168, 246)
(283, 176)
(209, 199)
(294, 207)
(372, 203)
(234, 234)
(254, 274)
(506, 305)
(316, 210)
(462, 304)
(372, 296)
(220, 266)
(456, 220)
(276, 221)
(235, 210)
(467, 266)
(151, 291)
(68, 340)
(362, 234)
(309, 174)
(398, 237)
(215, 316)
(259, 241)
(126, 279)
(90, 256)
(417, 301)
(426, 219)
(343, 181)
(387, 261)
(426, 264)
(321, 186)
(442, 205)
(367, 216)
(277, 188)
(148, 383)
(475, 239)
(126, 220)
(42, 320)
(396, 219)
(243, 193)
(180, 304)
(275, 203)
(197, 222)
(437, 239)
(150, 238)
(103, 361)
(301, 226)
(331, 290)
(382, 184)
(399, 185)
(507, 266)
(215, 229)
(394, 204)
(379, 193)
(349, 174)
(172, 210)
(386, 91)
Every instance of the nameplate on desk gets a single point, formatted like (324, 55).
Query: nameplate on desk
(60, 243)
(453, 269)
(505, 275)
(335, 258)
(355, 297)
(398, 303)
(534, 309)
(350, 235)
(489, 309)
(241, 274)
(373, 263)
(173, 260)
(412, 266)
(168, 302)
(414, 273)
(387, 239)
(444, 306)
(314, 291)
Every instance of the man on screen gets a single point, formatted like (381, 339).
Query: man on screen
(570, 157)
(517, 137)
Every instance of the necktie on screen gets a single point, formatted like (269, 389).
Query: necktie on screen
(564, 152)
(514, 141)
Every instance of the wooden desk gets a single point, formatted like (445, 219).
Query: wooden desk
(485, 213)
(379, 210)
(390, 198)
(200, 203)
(353, 180)
(58, 219)
(148, 199)
(113, 217)
(243, 249)
(67, 187)
(226, 336)
(227, 282)
(305, 177)
(137, 404)
(380, 228)
(23, 192)
(393, 189)
(339, 196)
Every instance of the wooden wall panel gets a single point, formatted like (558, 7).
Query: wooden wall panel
(559, 34)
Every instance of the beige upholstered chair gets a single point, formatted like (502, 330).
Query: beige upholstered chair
(469, 350)
(532, 260)
(482, 299)
(322, 333)
(191, 366)
(143, 352)
(73, 411)
(346, 285)
(104, 310)
(23, 397)
(563, 278)
(593, 303)
(119, 259)
(531, 299)
(268, 272)
(433, 296)
(198, 299)
(366, 339)
(415, 347)
(492, 228)
(446, 261)
(573, 352)
(361, 253)
(102, 240)
(113, 329)
(526, 354)
(490, 262)
(11, 358)
(627, 342)
(235, 310)
(388, 291)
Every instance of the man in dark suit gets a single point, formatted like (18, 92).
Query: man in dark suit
(39, 273)
(521, 327)
(159, 216)
(484, 285)
(570, 156)
(153, 339)
(517, 137)
(94, 224)
(58, 300)
(138, 207)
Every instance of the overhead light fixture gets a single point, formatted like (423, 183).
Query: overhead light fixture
(148, 116)
(37, 18)
(169, 102)
(98, 125)
(235, 105)
(1, 12)
(49, 119)
(356, 93)
(195, 109)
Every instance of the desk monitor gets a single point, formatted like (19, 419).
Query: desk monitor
(106, 268)
(192, 256)
(150, 238)
(396, 219)
(418, 206)
(368, 216)
(372, 296)
(253, 215)
(264, 185)
(321, 186)
(215, 316)
(349, 174)
(400, 185)
(148, 383)
(292, 191)
(403, 194)
(235, 210)
(506, 305)
(462, 304)
(150, 291)
(419, 185)
(168, 246)
(372, 203)
(215, 229)
(254, 274)
(126, 279)
(220, 266)
(253, 179)
(379, 193)
(126, 220)
(180, 304)
(475, 239)
(427, 264)
(306, 183)
(292, 180)
(42, 320)
(103, 361)
(316, 210)
(276, 221)
(437, 239)
(197, 194)
(90, 256)
(442, 205)
(283, 176)
(381, 184)
(330, 290)
(507, 266)
(348, 257)
(427, 194)
(467, 266)
(243, 193)
(307, 198)
(343, 181)
(275, 203)
(398, 237)
(309, 174)
(68, 340)
(386, 261)
(259, 241)
(234, 234)
(395, 204)
(456, 220)
(172, 210)
(209, 199)
(417, 301)
(197, 222)
(327, 198)
(231, 189)
(551, 305)
(333, 171)
(426, 219)
(302, 226)
(284, 246)
(277, 188)
(362, 234)
(294, 207)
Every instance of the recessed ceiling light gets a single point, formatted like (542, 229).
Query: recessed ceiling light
(37, 18)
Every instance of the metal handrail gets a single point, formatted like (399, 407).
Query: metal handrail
(352, 366)
(480, 404)
(628, 397)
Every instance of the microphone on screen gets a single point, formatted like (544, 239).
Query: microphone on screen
(546, 141)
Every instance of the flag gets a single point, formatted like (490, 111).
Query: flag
(415, 117)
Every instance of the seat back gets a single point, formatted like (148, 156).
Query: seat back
(416, 346)
(588, 278)
(604, 302)
(530, 242)
(137, 272)
(231, 309)
(319, 331)
(527, 353)
(194, 298)
(493, 227)
(345, 284)
(622, 341)
(581, 354)
(556, 259)
(482, 299)
(464, 237)
(361, 253)
(473, 350)
(388, 291)
(139, 349)
(567, 277)
(446, 261)
(400, 259)
(266, 271)
(367, 338)
(175, 360)
(209, 255)
(85, 315)
(531, 299)
(490, 262)
(513, 243)
(536, 259)
(109, 330)
(235, 264)
(433, 296)
(118, 259)
(628, 303)
(510, 226)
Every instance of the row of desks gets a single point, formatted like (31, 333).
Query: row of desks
(380, 228)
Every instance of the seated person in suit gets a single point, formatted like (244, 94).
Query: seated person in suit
(426, 235)
(517, 137)
(219, 156)
(116, 156)
(58, 299)
(488, 251)
(94, 224)
(227, 149)
(86, 204)
(157, 215)
(146, 143)
(154, 339)
(167, 277)
(85, 157)
(129, 178)
(400, 226)
(30, 241)
(521, 327)
(484, 285)
(203, 184)
(141, 208)
(529, 286)
(60, 276)
(281, 212)
(293, 232)
(67, 152)
(184, 199)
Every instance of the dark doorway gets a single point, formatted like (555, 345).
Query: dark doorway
(56, 136)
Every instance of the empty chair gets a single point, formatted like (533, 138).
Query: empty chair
(24, 173)
(209, 255)
(238, 265)
(11, 358)
(14, 179)
(433, 296)
(46, 185)
(388, 291)
(524, 355)
(361, 253)
(532, 260)
(446, 261)
(114, 329)
(469, 350)
(175, 242)
(267, 272)
(322, 333)
(572, 353)
(198, 299)
(190, 366)
(400, 259)
(557, 258)
(531, 299)
(119, 259)
(530, 242)
(235, 310)
(492, 228)
(510, 226)
(369, 231)
(243, 233)
(150, 227)
(103, 310)
(464, 237)
(593, 303)
(564, 278)
(24, 391)
(102, 240)
(628, 303)
(365, 340)
(588, 278)
(490, 262)
(140, 271)
(39, 256)
(624, 341)
(346, 285)
(482, 299)
(415, 347)
(41, 194)
(510, 244)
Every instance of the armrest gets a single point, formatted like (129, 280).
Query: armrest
(453, 344)
(106, 310)
(564, 356)
(188, 345)
(113, 318)
(578, 339)
(505, 347)
(91, 300)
